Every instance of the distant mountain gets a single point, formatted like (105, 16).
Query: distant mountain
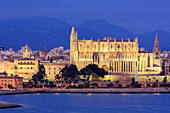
(106, 29)
(38, 32)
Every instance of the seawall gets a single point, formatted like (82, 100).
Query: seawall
(90, 90)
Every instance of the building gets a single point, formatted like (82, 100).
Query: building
(42, 54)
(1, 48)
(53, 68)
(167, 67)
(58, 54)
(116, 56)
(23, 67)
(14, 81)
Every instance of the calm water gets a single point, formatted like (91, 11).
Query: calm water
(86, 103)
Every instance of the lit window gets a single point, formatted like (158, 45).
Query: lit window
(103, 46)
(95, 47)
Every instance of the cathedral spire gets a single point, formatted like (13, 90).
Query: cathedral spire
(156, 35)
(73, 30)
(156, 48)
(156, 41)
(44, 49)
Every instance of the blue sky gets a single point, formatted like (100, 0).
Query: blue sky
(138, 16)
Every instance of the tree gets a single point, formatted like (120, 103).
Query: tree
(15, 67)
(85, 72)
(10, 87)
(51, 60)
(70, 72)
(95, 85)
(94, 70)
(165, 79)
(57, 77)
(40, 75)
(109, 85)
(133, 82)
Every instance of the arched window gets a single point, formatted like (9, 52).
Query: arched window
(103, 57)
(94, 47)
(103, 46)
(80, 46)
(148, 61)
(111, 46)
(132, 46)
(125, 47)
(118, 46)
(87, 47)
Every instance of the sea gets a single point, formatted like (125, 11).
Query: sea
(88, 103)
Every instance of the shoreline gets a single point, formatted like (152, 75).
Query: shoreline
(88, 90)
(4, 105)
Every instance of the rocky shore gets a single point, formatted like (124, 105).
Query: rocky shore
(89, 90)
(4, 105)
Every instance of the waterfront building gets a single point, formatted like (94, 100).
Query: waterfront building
(53, 68)
(116, 56)
(23, 67)
(14, 81)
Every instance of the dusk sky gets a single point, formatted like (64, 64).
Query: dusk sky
(138, 16)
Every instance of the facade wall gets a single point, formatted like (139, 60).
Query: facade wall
(52, 69)
(16, 82)
(22, 67)
(167, 67)
(115, 56)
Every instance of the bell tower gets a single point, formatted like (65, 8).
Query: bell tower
(156, 53)
(26, 53)
(156, 49)
(73, 47)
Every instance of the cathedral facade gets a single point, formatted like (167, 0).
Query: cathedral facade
(115, 56)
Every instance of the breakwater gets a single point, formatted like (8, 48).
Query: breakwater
(89, 90)
(4, 105)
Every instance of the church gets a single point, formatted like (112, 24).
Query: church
(115, 56)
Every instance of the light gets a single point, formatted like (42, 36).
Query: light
(89, 94)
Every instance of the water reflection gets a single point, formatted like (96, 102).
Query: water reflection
(88, 103)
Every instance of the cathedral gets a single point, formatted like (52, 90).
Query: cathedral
(115, 56)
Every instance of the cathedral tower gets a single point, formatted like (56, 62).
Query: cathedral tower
(156, 49)
(157, 52)
(73, 47)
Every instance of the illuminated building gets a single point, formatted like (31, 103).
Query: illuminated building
(53, 68)
(15, 82)
(23, 67)
(116, 56)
